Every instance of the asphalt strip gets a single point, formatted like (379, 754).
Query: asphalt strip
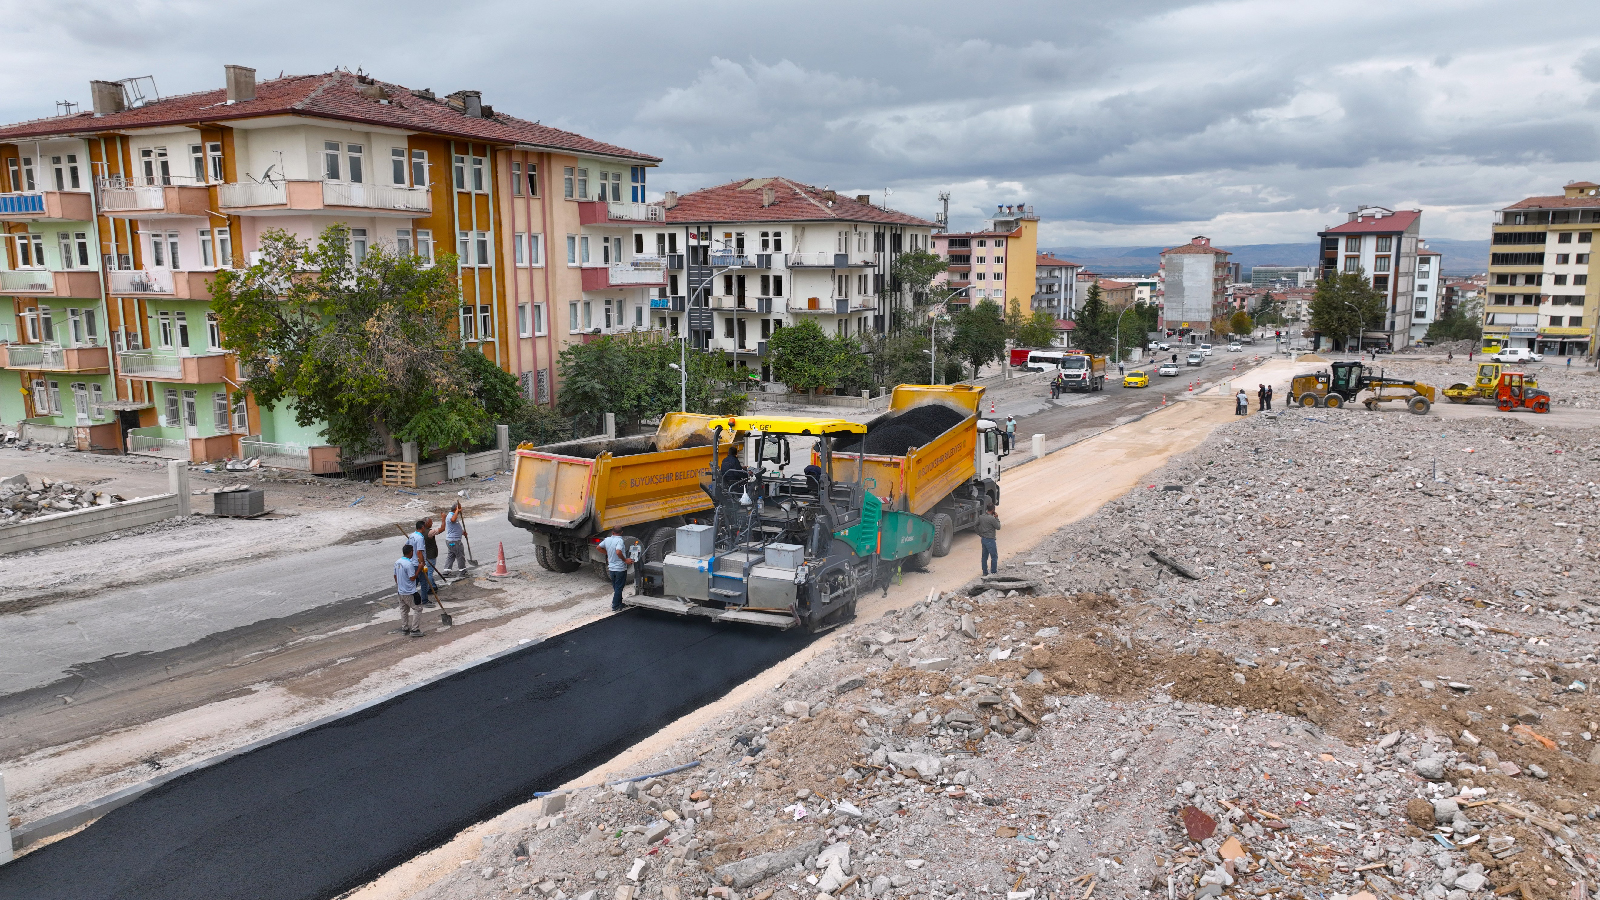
(329, 809)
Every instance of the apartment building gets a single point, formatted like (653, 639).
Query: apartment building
(727, 266)
(1194, 283)
(1055, 286)
(1541, 293)
(107, 263)
(1115, 294)
(1384, 244)
(1425, 297)
(1458, 290)
(1282, 276)
(999, 263)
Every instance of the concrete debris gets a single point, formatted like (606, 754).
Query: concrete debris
(20, 500)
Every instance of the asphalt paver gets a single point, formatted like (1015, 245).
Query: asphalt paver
(320, 813)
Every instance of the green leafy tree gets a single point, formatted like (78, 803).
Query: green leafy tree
(1038, 330)
(1345, 306)
(1240, 322)
(1269, 311)
(631, 375)
(1464, 322)
(914, 272)
(979, 334)
(366, 347)
(1093, 325)
(803, 357)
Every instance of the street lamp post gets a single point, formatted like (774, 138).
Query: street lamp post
(1361, 325)
(1119, 331)
(933, 340)
(683, 337)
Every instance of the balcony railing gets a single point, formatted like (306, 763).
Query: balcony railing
(278, 456)
(140, 281)
(35, 356)
(729, 260)
(149, 362)
(27, 281)
(249, 193)
(628, 275)
(132, 197)
(636, 212)
(820, 259)
(22, 202)
(376, 196)
(155, 445)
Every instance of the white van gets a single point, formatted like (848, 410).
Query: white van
(1044, 360)
(1205, 349)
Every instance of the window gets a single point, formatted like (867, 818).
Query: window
(173, 414)
(638, 316)
(727, 327)
(461, 172)
(572, 317)
(1564, 237)
(1580, 279)
(538, 320)
(330, 160)
(981, 260)
(197, 153)
(999, 259)
(478, 181)
(164, 330)
(214, 161)
(842, 286)
(1383, 244)
(542, 386)
(524, 320)
(636, 178)
(535, 250)
(466, 323)
(583, 184)
(1380, 282)
(1380, 264)
(220, 414)
(777, 285)
(241, 416)
(97, 401)
(358, 244)
(74, 249)
(354, 153)
(1575, 321)
(30, 251)
(616, 187)
(588, 315)
(1559, 279)
(583, 249)
(519, 247)
(1561, 259)
(566, 182)
(66, 171)
(181, 320)
(485, 322)
(1352, 245)
(207, 252)
(1352, 263)
(224, 248)
(419, 168)
(213, 331)
(1581, 259)
(481, 244)
(516, 179)
(397, 165)
(16, 174)
(425, 245)
(1583, 236)
(861, 285)
(533, 179)
(464, 248)
(572, 250)
(157, 168)
(402, 241)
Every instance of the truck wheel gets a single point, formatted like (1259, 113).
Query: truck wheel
(660, 541)
(1419, 405)
(553, 561)
(542, 554)
(1333, 401)
(944, 529)
(1308, 401)
(920, 561)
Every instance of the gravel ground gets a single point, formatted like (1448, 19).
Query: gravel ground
(1378, 680)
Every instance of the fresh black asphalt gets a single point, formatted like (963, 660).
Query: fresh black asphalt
(325, 811)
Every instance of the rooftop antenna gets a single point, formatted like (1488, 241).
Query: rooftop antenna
(886, 193)
(944, 214)
(139, 90)
(66, 108)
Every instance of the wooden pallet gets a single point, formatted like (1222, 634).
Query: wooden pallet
(399, 474)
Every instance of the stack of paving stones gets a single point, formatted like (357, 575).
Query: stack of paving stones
(1356, 666)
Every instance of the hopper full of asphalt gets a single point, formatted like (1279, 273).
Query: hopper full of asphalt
(900, 432)
(319, 813)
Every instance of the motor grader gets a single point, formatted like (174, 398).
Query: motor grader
(1485, 387)
(1338, 387)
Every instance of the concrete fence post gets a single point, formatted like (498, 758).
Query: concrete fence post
(1038, 446)
(5, 823)
(502, 437)
(611, 425)
(178, 484)
(408, 452)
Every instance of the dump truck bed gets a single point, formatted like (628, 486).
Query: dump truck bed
(591, 486)
(918, 480)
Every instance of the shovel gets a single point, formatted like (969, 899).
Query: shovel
(466, 537)
(444, 617)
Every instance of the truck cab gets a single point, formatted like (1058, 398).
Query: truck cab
(986, 455)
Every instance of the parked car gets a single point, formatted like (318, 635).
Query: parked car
(1517, 354)
(1205, 349)
(1196, 358)
(1170, 370)
(1136, 378)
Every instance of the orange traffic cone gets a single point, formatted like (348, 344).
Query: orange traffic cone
(500, 564)
(1163, 399)
(1191, 387)
(991, 406)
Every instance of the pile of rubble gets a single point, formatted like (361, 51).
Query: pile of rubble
(20, 501)
(1329, 654)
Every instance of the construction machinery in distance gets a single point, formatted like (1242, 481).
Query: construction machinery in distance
(785, 548)
(1486, 386)
(1517, 391)
(1339, 386)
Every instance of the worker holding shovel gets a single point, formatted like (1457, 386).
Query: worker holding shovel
(455, 536)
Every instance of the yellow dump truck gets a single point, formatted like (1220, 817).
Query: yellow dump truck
(568, 495)
(931, 455)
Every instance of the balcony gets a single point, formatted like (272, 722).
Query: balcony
(299, 197)
(756, 305)
(819, 259)
(34, 206)
(81, 283)
(149, 442)
(669, 304)
(601, 278)
(168, 365)
(819, 305)
(50, 358)
(607, 212)
(160, 283)
(179, 198)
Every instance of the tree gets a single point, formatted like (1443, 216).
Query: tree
(631, 375)
(1269, 311)
(364, 347)
(979, 334)
(1464, 322)
(1092, 331)
(1218, 326)
(1038, 330)
(803, 357)
(914, 273)
(1345, 306)
(1239, 323)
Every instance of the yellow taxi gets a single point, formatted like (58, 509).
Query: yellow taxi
(1138, 378)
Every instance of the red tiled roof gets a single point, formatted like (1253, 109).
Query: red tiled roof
(1429, 253)
(1389, 224)
(1108, 284)
(1583, 184)
(1556, 203)
(1045, 259)
(1065, 325)
(740, 201)
(331, 95)
(1196, 248)
(982, 234)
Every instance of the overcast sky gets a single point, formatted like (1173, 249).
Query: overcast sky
(1135, 122)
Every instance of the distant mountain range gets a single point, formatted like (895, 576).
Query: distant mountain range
(1460, 257)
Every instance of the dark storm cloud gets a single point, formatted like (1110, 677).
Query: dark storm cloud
(1136, 122)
